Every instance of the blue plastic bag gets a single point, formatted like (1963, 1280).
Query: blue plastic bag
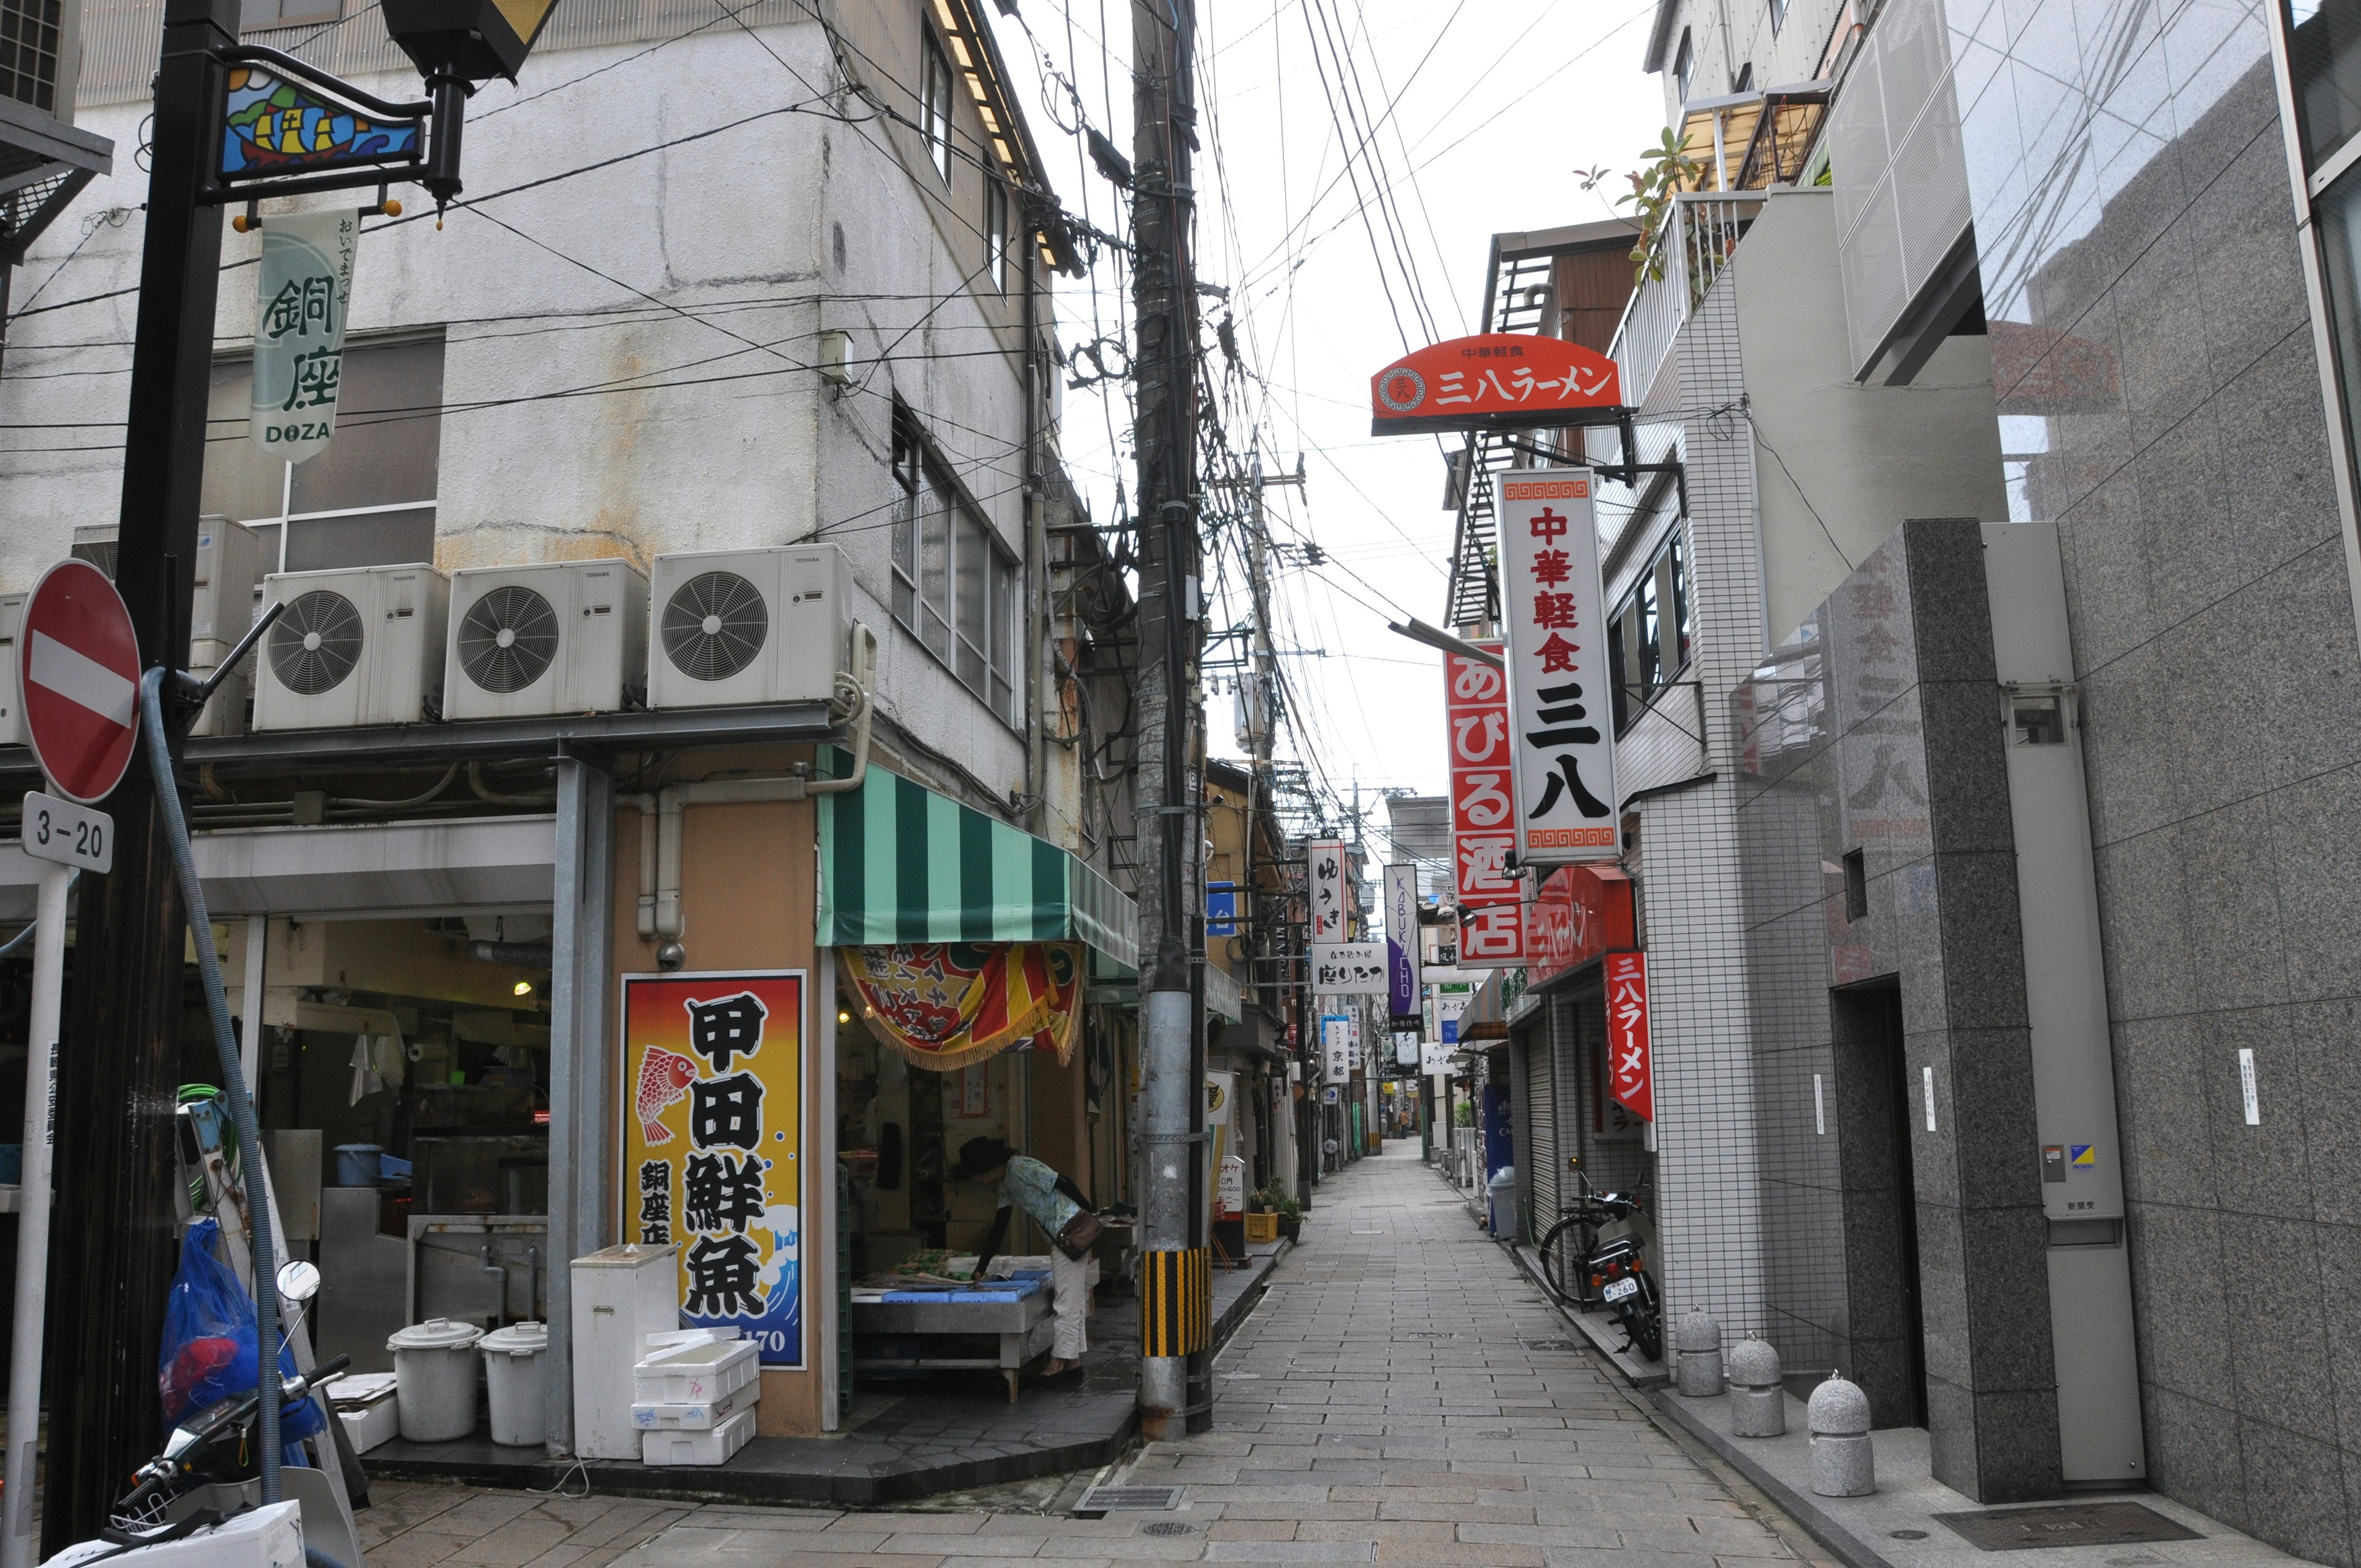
(208, 1352)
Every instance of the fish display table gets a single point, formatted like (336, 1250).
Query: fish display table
(1003, 1325)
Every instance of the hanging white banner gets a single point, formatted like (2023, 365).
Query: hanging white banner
(1561, 707)
(305, 285)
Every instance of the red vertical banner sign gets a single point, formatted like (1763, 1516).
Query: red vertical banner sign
(1483, 811)
(1630, 1074)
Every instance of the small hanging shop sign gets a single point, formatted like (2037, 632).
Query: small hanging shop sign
(712, 1144)
(1499, 380)
(304, 290)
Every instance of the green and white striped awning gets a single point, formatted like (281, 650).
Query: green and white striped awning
(901, 863)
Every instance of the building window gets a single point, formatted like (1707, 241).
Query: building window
(954, 587)
(995, 233)
(368, 499)
(28, 51)
(1745, 83)
(1685, 65)
(2324, 55)
(261, 16)
(935, 107)
(1778, 16)
(1650, 634)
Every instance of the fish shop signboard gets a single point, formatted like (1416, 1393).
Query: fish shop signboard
(712, 1144)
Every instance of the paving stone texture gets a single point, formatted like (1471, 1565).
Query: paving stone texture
(1389, 1402)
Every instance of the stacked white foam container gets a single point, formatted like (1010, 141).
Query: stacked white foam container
(694, 1394)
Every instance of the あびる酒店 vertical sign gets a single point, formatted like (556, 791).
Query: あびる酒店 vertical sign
(712, 1144)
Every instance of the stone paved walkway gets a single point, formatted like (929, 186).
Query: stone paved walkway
(1403, 1396)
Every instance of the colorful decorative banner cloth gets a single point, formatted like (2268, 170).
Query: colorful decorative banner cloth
(946, 1004)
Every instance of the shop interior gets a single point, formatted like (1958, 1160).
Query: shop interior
(915, 1310)
(401, 1073)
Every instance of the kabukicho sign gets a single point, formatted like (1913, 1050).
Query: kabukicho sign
(1503, 380)
(1560, 703)
(712, 1144)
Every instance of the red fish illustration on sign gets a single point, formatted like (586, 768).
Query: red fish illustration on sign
(664, 1080)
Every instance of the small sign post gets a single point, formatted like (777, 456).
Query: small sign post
(78, 666)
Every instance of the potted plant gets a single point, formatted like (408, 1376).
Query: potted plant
(1290, 1220)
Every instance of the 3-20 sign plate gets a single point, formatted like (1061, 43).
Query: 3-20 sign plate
(68, 834)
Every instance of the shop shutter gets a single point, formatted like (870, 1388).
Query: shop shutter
(1539, 1160)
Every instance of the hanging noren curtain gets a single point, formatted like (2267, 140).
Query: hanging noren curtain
(946, 1004)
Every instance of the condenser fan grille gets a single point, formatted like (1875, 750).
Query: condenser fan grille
(506, 640)
(315, 644)
(714, 626)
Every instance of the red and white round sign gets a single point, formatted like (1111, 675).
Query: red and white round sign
(78, 667)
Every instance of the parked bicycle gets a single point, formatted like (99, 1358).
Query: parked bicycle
(1593, 1256)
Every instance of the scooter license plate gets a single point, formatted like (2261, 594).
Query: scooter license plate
(1618, 1289)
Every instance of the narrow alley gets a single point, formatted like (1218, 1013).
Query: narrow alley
(1402, 1396)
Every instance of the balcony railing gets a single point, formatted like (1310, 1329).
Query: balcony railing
(1689, 254)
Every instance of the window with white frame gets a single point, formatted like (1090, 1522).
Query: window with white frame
(935, 105)
(954, 587)
(995, 232)
(1685, 65)
(368, 499)
(1778, 16)
(1649, 635)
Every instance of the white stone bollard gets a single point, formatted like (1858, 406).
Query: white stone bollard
(1697, 1338)
(1843, 1465)
(1758, 1394)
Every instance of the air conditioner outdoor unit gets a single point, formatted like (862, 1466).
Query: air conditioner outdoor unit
(357, 646)
(562, 637)
(12, 701)
(747, 625)
(231, 559)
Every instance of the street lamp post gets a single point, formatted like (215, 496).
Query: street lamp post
(212, 145)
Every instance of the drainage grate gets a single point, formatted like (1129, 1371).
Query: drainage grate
(2071, 1524)
(1168, 1527)
(1128, 1499)
(1549, 1345)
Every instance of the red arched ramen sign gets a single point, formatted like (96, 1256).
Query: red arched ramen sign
(1502, 379)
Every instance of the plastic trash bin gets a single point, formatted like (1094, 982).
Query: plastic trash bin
(1500, 1202)
(514, 1362)
(434, 1379)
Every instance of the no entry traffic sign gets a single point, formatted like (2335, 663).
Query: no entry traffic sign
(78, 662)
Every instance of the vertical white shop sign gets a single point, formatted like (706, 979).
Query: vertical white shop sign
(1561, 709)
(305, 285)
(1326, 888)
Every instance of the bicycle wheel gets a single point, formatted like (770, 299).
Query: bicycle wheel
(1566, 1250)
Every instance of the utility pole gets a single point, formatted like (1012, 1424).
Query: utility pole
(1175, 1383)
(119, 1067)
(1264, 731)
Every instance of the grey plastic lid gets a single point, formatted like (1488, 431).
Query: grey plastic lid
(517, 1338)
(435, 1334)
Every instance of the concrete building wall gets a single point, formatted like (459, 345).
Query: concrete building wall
(1840, 463)
(2159, 397)
(627, 352)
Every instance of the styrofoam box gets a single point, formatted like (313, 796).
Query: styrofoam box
(655, 1343)
(695, 1373)
(699, 1415)
(698, 1447)
(376, 1422)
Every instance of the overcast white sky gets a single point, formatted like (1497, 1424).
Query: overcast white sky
(1495, 104)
